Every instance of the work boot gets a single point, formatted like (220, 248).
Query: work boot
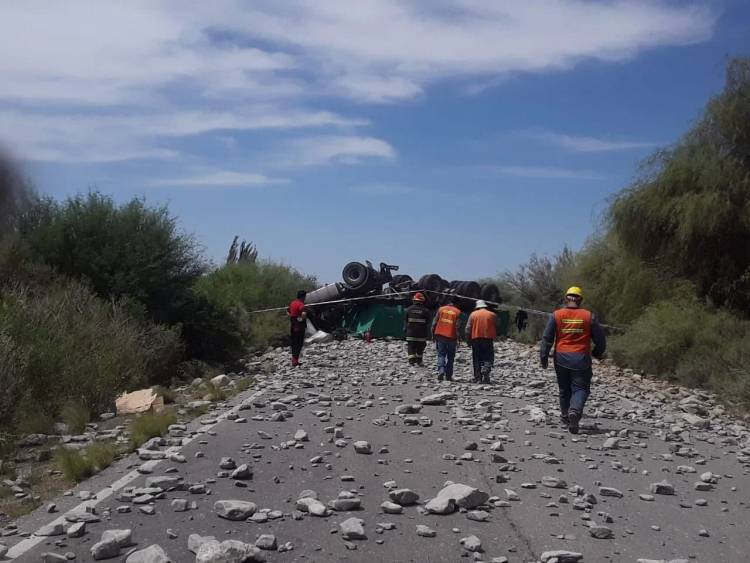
(564, 419)
(440, 376)
(449, 378)
(486, 379)
(573, 419)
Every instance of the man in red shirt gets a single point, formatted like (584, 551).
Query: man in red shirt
(298, 323)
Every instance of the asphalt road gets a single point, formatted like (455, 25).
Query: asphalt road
(351, 384)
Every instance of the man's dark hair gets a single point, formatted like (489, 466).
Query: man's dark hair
(301, 294)
(454, 300)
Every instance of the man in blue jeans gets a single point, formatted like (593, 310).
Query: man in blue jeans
(445, 334)
(571, 330)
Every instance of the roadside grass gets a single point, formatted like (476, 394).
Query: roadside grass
(45, 484)
(150, 425)
(209, 392)
(78, 465)
(76, 416)
(243, 384)
(169, 395)
(35, 422)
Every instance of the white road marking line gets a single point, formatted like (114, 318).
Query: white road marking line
(31, 542)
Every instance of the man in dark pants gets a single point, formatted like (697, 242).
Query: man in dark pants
(481, 331)
(522, 318)
(445, 334)
(571, 330)
(298, 323)
(417, 329)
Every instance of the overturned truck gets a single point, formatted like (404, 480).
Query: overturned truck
(367, 292)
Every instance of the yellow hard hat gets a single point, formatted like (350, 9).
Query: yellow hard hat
(576, 291)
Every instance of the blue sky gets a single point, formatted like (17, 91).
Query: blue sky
(455, 137)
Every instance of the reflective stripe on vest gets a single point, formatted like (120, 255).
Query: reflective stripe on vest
(447, 321)
(573, 330)
(483, 324)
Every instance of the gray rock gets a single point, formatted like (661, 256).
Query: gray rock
(105, 549)
(391, 507)
(195, 541)
(312, 505)
(50, 530)
(554, 482)
(228, 551)
(227, 463)
(464, 495)
(662, 488)
(610, 492)
(362, 447)
(123, 537)
(472, 543)
(242, 473)
(221, 380)
(441, 505)
(425, 531)
(478, 515)
(561, 556)
(437, 398)
(47, 557)
(601, 532)
(353, 529)
(76, 530)
(266, 542)
(152, 554)
(234, 509)
(403, 497)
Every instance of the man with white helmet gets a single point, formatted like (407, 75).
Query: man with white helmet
(481, 332)
(571, 331)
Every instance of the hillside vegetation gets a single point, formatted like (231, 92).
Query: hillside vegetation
(671, 263)
(97, 298)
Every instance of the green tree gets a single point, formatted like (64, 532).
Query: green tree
(689, 214)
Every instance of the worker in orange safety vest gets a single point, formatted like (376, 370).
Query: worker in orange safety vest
(571, 331)
(481, 332)
(445, 335)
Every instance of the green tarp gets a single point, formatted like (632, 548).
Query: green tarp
(379, 320)
(387, 320)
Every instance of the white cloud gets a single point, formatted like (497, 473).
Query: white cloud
(546, 173)
(589, 144)
(79, 137)
(98, 81)
(402, 46)
(383, 189)
(326, 149)
(220, 178)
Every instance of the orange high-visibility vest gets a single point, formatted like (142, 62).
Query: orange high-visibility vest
(573, 330)
(483, 324)
(447, 322)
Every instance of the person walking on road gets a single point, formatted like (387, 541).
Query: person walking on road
(298, 323)
(417, 329)
(481, 332)
(522, 318)
(571, 331)
(445, 334)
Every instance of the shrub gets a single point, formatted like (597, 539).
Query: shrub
(687, 341)
(132, 252)
(76, 416)
(78, 465)
(150, 425)
(247, 286)
(66, 346)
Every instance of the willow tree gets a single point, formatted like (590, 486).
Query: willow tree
(689, 213)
